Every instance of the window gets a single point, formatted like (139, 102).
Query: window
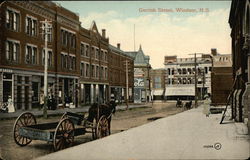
(106, 73)
(97, 71)
(12, 51)
(68, 38)
(31, 26)
(97, 53)
(87, 70)
(157, 82)
(31, 54)
(101, 73)
(93, 52)
(50, 58)
(82, 49)
(87, 51)
(92, 70)
(49, 33)
(82, 69)
(12, 20)
(63, 61)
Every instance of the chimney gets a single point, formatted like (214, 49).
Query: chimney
(103, 33)
(118, 45)
(214, 51)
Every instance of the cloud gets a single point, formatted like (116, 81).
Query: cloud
(162, 34)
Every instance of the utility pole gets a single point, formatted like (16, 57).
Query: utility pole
(46, 32)
(126, 63)
(195, 80)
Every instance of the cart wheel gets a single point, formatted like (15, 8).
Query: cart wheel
(94, 134)
(25, 119)
(64, 134)
(102, 127)
(64, 116)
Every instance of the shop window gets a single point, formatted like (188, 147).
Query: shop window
(35, 92)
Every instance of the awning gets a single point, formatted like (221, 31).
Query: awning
(158, 92)
(180, 91)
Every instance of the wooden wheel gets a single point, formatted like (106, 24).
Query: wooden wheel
(94, 134)
(25, 119)
(102, 127)
(64, 134)
(64, 116)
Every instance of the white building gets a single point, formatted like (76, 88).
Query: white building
(180, 77)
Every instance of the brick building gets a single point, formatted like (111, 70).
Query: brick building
(221, 78)
(239, 21)
(117, 72)
(77, 58)
(157, 77)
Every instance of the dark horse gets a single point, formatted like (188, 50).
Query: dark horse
(188, 105)
(104, 109)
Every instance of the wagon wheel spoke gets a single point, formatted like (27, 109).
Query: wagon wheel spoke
(23, 120)
(64, 134)
(102, 127)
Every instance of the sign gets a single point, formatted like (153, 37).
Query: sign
(138, 72)
(6, 70)
(139, 82)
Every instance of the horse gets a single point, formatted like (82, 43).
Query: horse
(104, 109)
(188, 105)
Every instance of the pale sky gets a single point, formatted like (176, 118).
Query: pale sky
(159, 33)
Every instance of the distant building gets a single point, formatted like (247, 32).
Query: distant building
(180, 82)
(117, 73)
(221, 78)
(239, 20)
(157, 83)
(142, 91)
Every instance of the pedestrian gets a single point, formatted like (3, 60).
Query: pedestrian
(11, 107)
(41, 98)
(206, 106)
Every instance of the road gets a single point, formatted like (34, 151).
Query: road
(121, 121)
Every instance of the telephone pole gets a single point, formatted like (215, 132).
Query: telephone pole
(127, 97)
(46, 32)
(195, 78)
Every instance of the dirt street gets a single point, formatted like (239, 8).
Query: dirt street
(121, 121)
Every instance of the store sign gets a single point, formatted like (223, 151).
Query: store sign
(139, 82)
(138, 72)
(6, 70)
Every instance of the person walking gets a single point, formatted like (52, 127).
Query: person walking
(11, 107)
(206, 106)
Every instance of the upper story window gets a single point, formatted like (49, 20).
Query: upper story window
(50, 58)
(97, 53)
(31, 26)
(87, 71)
(82, 69)
(106, 56)
(68, 38)
(12, 51)
(84, 49)
(31, 54)
(12, 19)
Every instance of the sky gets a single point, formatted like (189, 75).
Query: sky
(158, 27)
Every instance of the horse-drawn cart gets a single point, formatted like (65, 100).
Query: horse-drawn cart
(61, 133)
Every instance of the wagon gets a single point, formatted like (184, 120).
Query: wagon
(61, 133)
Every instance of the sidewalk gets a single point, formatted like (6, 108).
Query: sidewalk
(84, 109)
(187, 135)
